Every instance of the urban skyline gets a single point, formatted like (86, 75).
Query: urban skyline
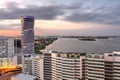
(51, 64)
(59, 40)
(58, 17)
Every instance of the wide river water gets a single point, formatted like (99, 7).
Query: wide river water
(76, 45)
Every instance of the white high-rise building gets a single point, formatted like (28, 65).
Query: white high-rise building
(27, 64)
(38, 67)
(63, 66)
(75, 66)
(6, 47)
(11, 52)
(34, 65)
(104, 66)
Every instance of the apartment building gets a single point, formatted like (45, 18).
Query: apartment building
(75, 66)
(47, 66)
(37, 67)
(63, 66)
(27, 63)
(6, 47)
(102, 66)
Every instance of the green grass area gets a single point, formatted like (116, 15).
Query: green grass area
(38, 48)
(41, 43)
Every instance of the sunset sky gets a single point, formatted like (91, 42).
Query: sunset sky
(62, 17)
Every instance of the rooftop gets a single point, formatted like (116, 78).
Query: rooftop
(22, 76)
(28, 17)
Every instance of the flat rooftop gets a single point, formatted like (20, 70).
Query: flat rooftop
(28, 17)
(22, 76)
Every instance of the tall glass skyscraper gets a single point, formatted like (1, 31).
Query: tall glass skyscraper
(27, 39)
(27, 34)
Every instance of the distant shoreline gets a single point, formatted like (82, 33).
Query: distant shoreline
(86, 39)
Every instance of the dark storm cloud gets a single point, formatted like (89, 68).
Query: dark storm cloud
(99, 14)
(103, 13)
(40, 12)
(104, 16)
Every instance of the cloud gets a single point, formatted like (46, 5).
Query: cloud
(95, 11)
(40, 12)
(10, 25)
(101, 14)
(79, 11)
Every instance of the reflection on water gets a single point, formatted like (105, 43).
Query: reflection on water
(76, 45)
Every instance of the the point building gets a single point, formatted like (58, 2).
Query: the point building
(27, 23)
(27, 40)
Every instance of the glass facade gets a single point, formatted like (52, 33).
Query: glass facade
(27, 34)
